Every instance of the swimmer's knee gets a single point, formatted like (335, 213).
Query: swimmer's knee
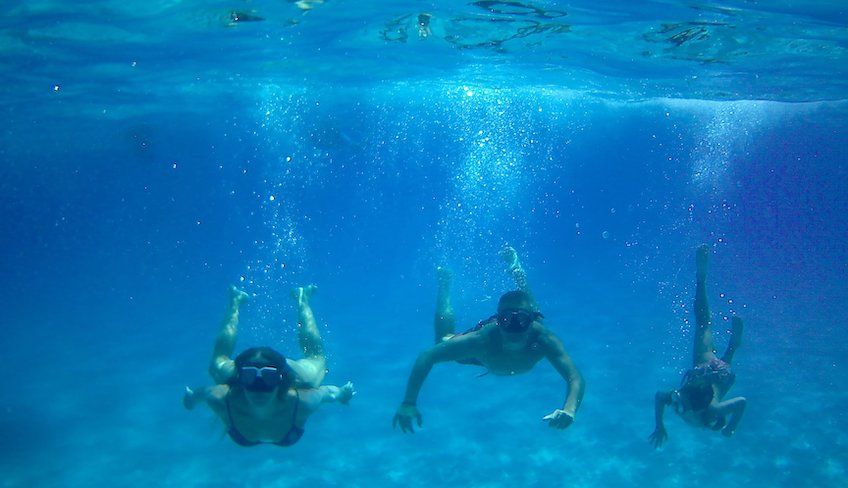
(222, 370)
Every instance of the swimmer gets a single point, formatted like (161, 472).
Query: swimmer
(263, 397)
(699, 401)
(424, 25)
(508, 343)
(307, 4)
(236, 17)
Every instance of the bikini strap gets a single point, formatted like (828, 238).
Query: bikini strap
(229, 412)
(296, 405)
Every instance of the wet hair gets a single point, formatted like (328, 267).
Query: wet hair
(263, 356)
(510, 298)
(698, 394)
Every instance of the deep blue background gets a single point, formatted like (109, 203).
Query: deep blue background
(121, 236)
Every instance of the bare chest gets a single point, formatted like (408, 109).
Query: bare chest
(506, 361)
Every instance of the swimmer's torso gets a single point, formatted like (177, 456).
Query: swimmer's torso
(270, 426)
(695, 418)
(506, 358)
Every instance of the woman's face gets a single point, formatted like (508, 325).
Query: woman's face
(261, 383)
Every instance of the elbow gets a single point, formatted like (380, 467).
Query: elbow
(578, 382)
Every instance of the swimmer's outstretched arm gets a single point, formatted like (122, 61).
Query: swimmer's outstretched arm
(659, 436)
(222, 367)
(735, 408)
(555, 352)
(213, 396)
(454, 349)
(315, 397)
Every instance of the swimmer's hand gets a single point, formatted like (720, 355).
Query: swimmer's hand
(658, 437)
(559, 419)
(346, 392)
(406, 412)
(189, 399)
(727, 431)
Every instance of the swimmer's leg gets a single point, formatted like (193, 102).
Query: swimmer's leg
(703, 350)
(735, 340)
(222, 367)
(313, 366)
(444, 323)
(510, 257)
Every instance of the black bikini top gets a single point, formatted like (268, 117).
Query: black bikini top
(292, 436)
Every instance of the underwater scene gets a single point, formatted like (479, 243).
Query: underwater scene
(462, 244)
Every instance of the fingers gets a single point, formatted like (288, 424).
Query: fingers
(558, 420)
(657, 440)
(405, 423)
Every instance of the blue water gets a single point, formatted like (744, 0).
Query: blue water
(152, 155)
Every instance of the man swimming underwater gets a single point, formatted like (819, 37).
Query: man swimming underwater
(508, 343)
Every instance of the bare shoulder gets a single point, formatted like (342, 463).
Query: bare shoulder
(548, 340)
(219, 392)
(479, 336)
(461, 346)
(216, 398)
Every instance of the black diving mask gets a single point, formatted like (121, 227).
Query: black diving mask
(260, 378)
(516, 321)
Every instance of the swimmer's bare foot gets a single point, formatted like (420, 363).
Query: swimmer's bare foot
(509, 256)
(702, 259)
(237, 296)
(302, 294)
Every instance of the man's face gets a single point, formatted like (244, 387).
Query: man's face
(515, 318)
